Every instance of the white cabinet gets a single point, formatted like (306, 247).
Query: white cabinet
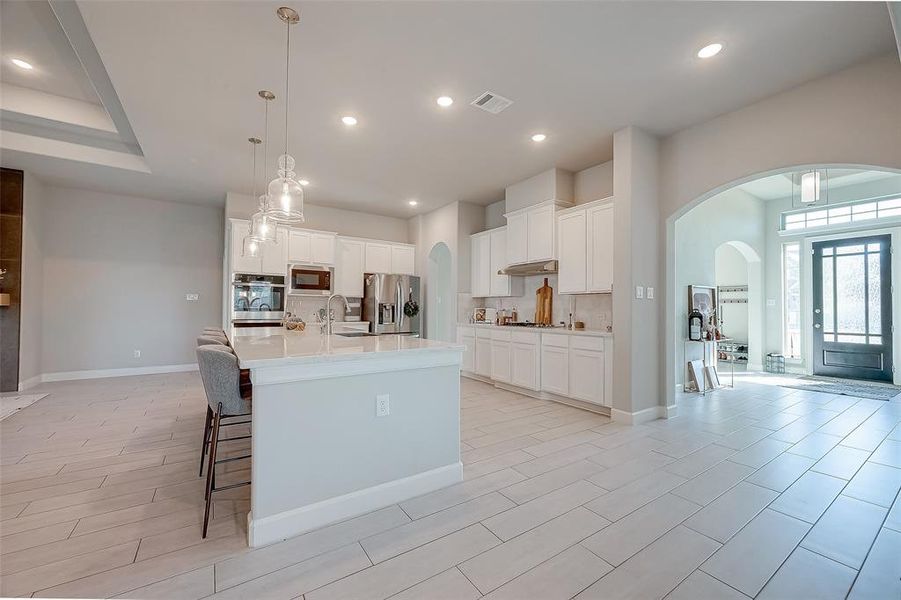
(483, 352)
(555, 370)
(300, 247)
(488, 256)
(378, 257)
(481, 265)
(500, 356)
(349, 261)
(239, 263)
(275, 254)
(525, 360)
(466, 337)
(600, 248)
(403, 259)
(585, 249)
(572, 258)
(517, 238)
(322, 246)
(542, 233)
(586, 375)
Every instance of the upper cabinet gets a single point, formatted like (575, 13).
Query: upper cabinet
(274, 255)
(311, 247)
(385, 257)
(531, 234)
(489, 255)
(349, 261)
(585, 249)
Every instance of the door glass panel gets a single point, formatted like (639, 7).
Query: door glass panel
(828, 337)
(875, 286)
(827, 251)
(874, 247)
(828, 310)
(849, 297)
(852, 339)
(849, 249)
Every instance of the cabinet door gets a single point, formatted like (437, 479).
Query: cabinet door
(483, 357)
(500, 361)
(349, 268)
(481, 266)
(517, 238)
(555, 370)
(541, 233)
(402, 260)
(322, 248)
(239, 263)
(571, 234)
(378, 258)
(600, 249)
(275, 254)
(469, 354)
(586, 375)
(299, 247)
(524, 367)
(499, 285)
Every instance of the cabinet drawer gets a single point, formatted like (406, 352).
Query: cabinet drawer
(586, 343)
(500, 335)
(555, 339)
(483, 333)
(525, 337)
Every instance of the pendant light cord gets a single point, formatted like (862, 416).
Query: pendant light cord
(253, 179)
(287, 75)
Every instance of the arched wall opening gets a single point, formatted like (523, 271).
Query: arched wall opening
(439, 312)
(703, 225)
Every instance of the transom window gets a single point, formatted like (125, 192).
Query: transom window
(841, 214)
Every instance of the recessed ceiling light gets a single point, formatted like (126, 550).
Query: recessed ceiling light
(444, 101)
(412, 202)
(710, 50)
(348, 120)
(304, 182)
(21, 64)
(539, 137)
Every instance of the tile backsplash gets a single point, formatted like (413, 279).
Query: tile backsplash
(595, 310)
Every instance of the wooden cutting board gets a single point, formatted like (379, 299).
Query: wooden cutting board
(544, 304)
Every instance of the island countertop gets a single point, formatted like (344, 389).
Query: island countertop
(276, 346)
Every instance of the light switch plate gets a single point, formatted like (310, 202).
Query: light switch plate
(639, 292)
(650, 293)
(192, 297)
(771, 302)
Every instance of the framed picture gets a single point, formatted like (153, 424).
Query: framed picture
(703, 298)
(478, 315)
(697, 383)
(713, 378)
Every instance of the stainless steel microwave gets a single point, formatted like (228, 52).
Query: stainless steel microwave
(310, 280)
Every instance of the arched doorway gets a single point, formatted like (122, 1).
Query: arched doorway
(771, 309)
(439, 301)
(739, 281)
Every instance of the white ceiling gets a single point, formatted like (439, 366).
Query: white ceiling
(187, 74)
(780, 186)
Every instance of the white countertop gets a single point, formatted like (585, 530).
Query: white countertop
(560, 330)
(276, 346)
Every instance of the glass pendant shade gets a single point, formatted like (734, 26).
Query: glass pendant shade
(262, 228)
(251, 248)
(285, 194)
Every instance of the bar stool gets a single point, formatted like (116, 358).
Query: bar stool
(204, 340)
(220, 374)
(214, 330)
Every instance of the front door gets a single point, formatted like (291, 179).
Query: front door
(852, 308)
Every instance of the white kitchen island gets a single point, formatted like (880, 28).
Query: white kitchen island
(320, 452)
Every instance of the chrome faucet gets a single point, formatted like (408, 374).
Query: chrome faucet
(329, 316)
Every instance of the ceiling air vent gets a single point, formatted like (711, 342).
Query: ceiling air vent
(491, 102)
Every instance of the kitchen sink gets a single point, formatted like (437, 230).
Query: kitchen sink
(356, 334)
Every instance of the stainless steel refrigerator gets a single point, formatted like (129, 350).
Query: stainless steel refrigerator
(391, 304)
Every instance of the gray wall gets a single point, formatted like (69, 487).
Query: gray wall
(31, 324)
(115, 273)
(593, 183)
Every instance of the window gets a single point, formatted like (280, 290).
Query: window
(791, 298)
(838, 215)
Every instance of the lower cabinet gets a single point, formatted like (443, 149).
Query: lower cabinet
(483, 353)
(467, 338)
(555, 370)
(526, 360)
(500, 361)
(586, 375)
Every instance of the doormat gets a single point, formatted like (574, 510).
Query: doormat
(846, 387)
(10, 405)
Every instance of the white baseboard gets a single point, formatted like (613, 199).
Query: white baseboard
(30, 382)
(643, 416)
(290, 523)
(101, 373)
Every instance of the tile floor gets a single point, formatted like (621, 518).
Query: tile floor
(760, 491)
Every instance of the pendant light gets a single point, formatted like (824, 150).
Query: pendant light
(262, 226)
(285, 194)
(810, 188)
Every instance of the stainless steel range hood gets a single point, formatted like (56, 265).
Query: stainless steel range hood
(545, 267)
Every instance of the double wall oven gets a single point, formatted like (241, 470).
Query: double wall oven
(258, 300)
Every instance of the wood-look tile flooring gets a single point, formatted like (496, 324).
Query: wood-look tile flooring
(760, 491)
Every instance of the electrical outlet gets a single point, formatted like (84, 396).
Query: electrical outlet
(192, 297)
(650, 293)
(137, 354)
(771, 302)
(382, 407)
(639, 292)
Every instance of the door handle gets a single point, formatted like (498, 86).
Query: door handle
(817, 311)
(817, 325)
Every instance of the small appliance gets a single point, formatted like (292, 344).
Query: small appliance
(257, 300)
(310, 280)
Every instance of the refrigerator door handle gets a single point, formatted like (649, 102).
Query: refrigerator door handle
(400, 305)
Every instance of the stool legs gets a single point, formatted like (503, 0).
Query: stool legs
(206, 436)
(211, 468)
